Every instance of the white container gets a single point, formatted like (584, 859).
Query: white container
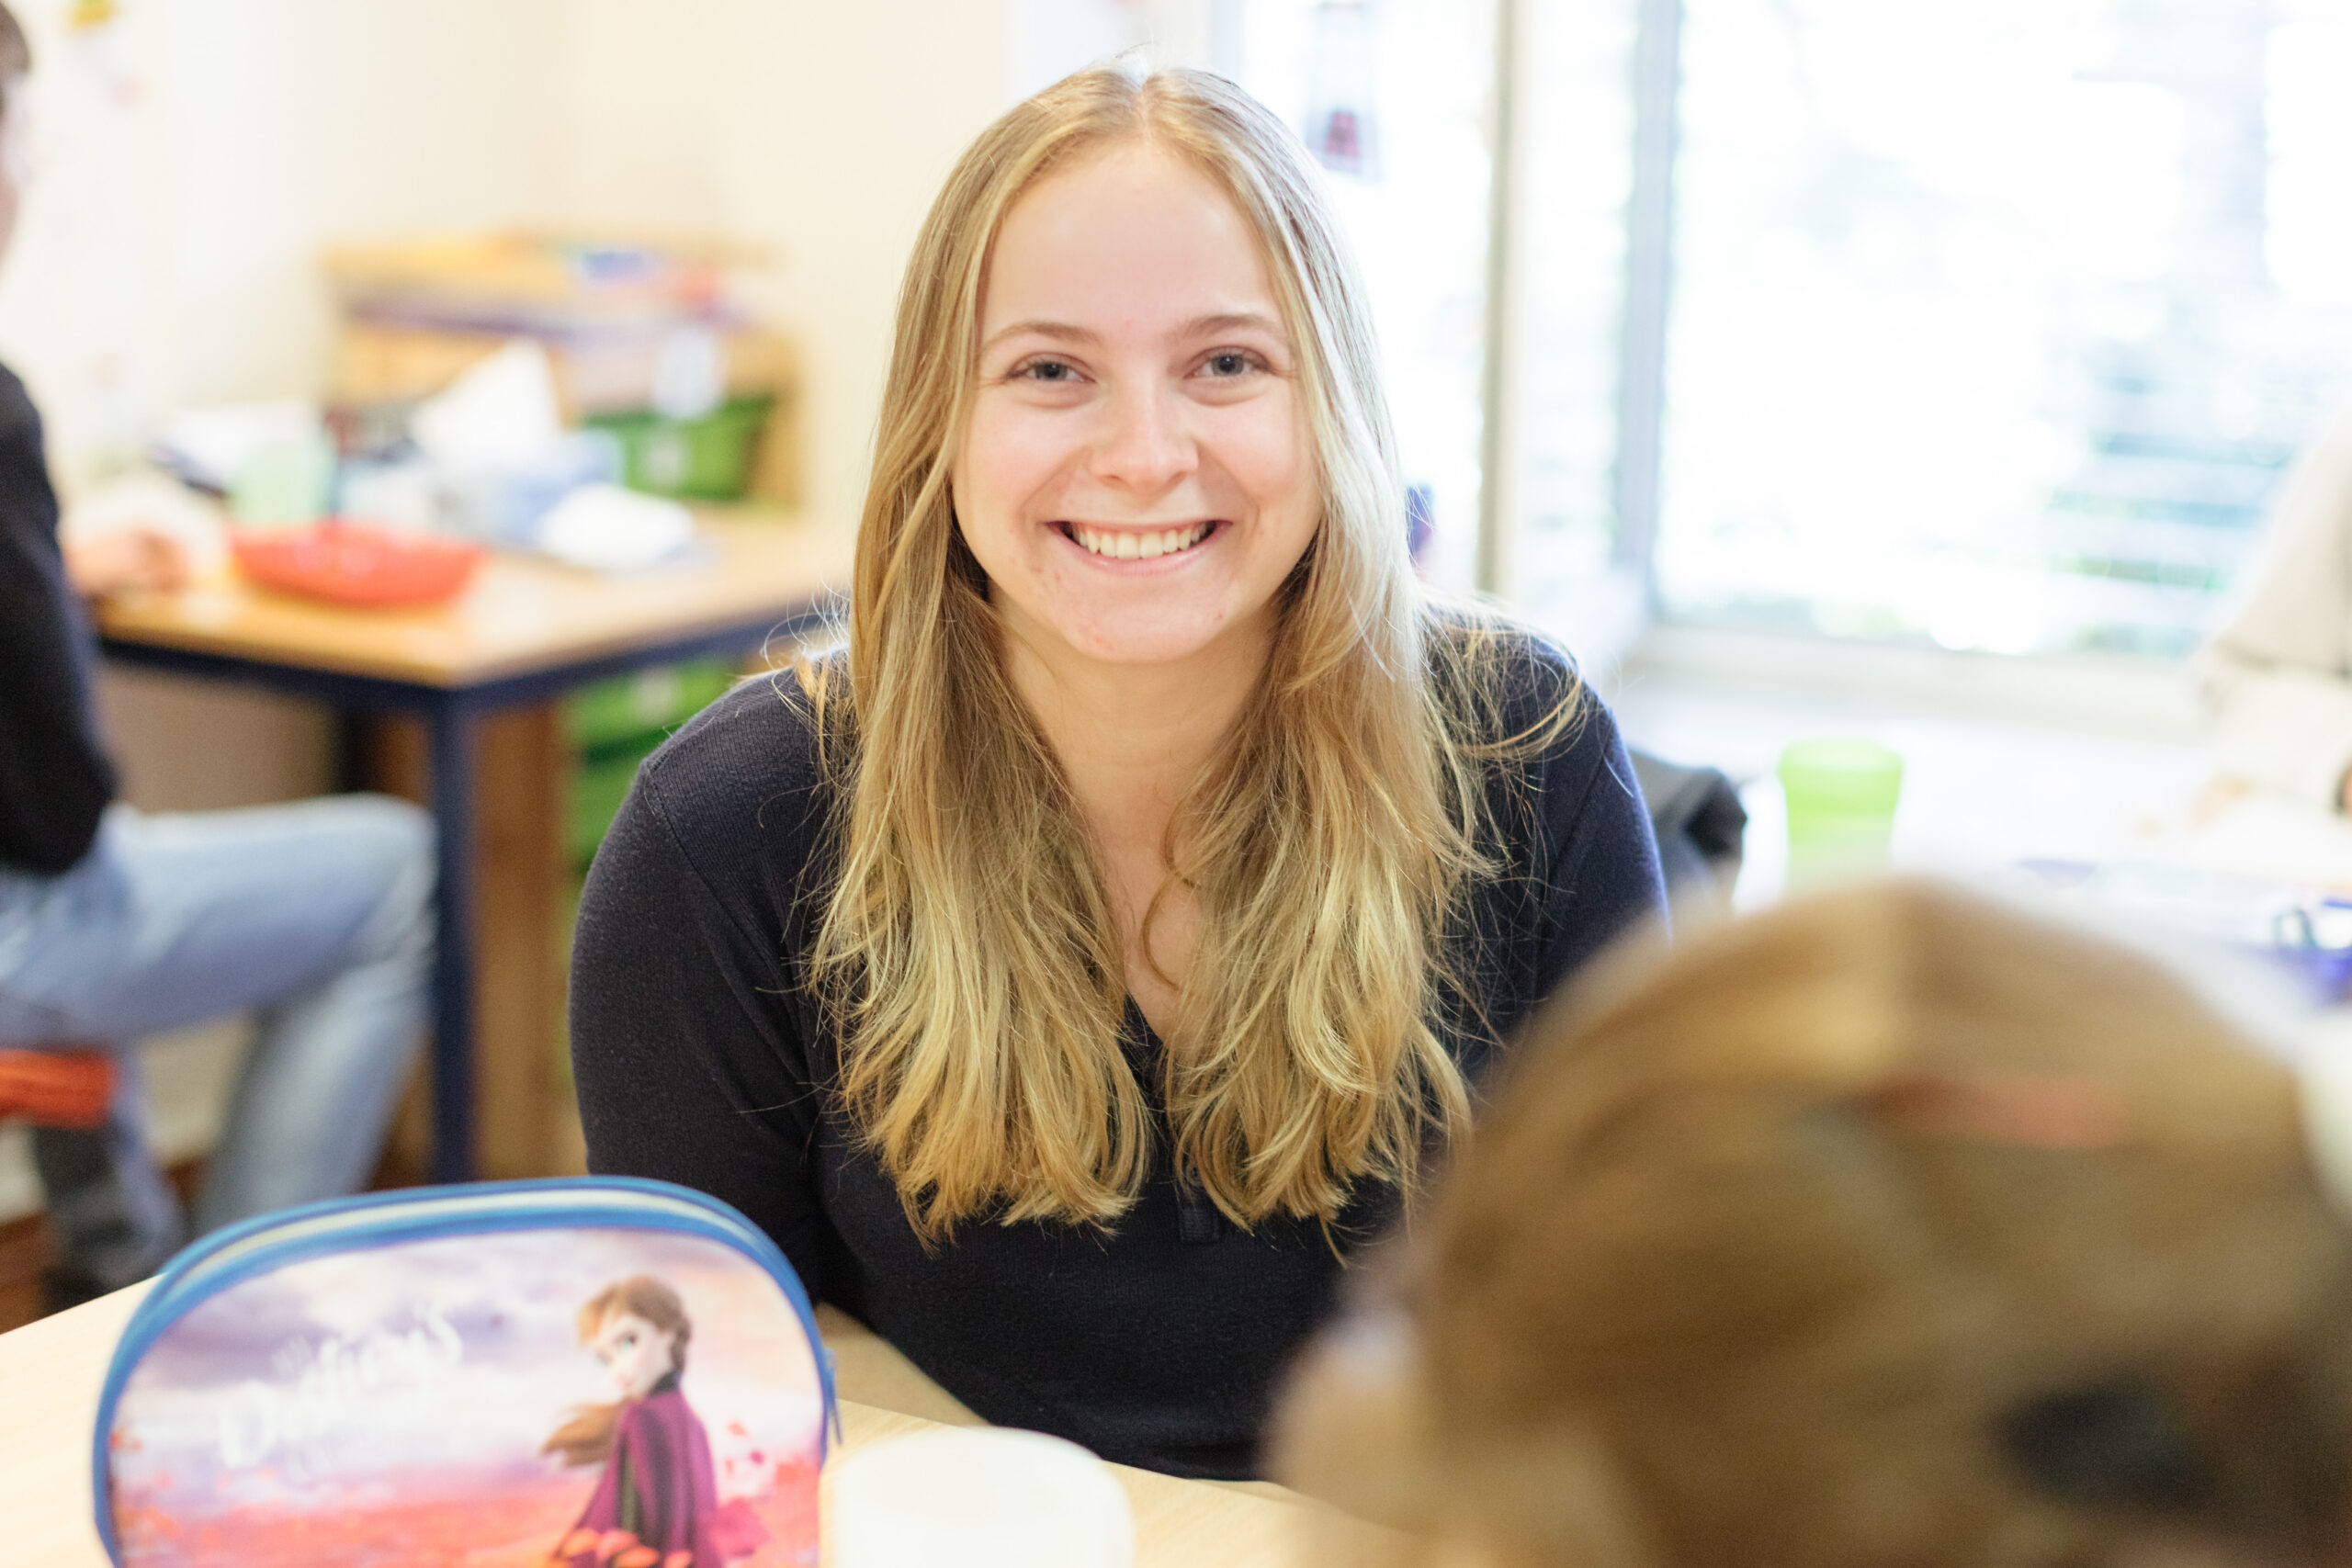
(978, 1497)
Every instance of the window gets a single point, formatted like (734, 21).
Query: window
(1995, 324)
(1392, 97)
(1989, 325)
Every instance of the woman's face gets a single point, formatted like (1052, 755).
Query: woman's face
(636, 1354)
(1136, 478)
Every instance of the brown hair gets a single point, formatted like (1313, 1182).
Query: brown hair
(1892, 1226)
(587, 1436)
(966, 951)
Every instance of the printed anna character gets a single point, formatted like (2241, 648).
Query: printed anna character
(656, 1505)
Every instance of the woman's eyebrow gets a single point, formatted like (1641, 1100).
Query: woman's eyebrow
(1062, 331)
(1199, 326)
(1236, 321)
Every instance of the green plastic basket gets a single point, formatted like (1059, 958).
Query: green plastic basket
(710, 458)
(614, 725)
(644, 706)
(597, 790)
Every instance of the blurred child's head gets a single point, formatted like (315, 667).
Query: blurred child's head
(16, 64)
(1889, 1227)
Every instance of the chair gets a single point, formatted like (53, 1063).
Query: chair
(68, 1089)
(1701, 830)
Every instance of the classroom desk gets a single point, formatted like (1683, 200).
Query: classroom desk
(523, 632)
(51, 1373)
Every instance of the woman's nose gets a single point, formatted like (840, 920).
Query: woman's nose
(1143, 446)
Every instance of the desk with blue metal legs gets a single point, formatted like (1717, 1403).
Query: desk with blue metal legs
(523, 634)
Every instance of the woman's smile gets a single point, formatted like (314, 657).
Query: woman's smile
(1128, 545)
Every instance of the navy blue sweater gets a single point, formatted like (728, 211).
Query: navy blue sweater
(701, 1058)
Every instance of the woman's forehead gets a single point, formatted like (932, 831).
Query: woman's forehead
(1131, 242)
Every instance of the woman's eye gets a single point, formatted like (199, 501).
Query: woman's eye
(1231, 363)
(1049, 370)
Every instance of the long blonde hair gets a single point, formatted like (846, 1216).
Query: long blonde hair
(968, 952)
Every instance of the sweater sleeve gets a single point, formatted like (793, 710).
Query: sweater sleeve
(55, 781)
(688, 1069)
(2275, 678)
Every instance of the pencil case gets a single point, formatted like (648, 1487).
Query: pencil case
(592, 1373)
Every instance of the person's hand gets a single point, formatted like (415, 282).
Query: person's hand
(133, 558)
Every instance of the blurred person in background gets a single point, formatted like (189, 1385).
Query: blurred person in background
(115, 925)
(2278, 677)
(1891, 1226)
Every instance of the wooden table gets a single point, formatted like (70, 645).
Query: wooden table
(522, 633)
(51, 1371)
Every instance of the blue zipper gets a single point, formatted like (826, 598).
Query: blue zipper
(718, 1221)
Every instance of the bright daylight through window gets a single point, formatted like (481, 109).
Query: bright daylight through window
(1392, 97)
(1995, 323)
(1992, 325)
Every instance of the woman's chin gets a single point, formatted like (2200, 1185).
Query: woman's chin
(1143, 643)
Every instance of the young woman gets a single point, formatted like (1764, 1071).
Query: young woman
(1069, 975)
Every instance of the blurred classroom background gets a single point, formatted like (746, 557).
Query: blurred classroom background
(1873, 367)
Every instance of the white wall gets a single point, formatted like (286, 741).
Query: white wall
(193, 156)
(821, 130)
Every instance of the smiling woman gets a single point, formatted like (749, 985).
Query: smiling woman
(1072, 971)
(1137, 403)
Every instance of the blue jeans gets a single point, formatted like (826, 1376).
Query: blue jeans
(316, 916)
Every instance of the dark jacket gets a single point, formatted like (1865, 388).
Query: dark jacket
(55, 781)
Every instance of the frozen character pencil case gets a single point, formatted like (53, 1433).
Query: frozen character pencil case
(595, 1373)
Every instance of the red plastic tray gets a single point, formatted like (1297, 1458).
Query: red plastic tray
(356, 563)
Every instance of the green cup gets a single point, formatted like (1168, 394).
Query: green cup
(1841, 796)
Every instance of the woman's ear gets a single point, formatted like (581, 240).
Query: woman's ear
(1355, 1426)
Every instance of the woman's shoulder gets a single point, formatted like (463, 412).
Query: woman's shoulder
(1523, 713)
(1508, 678)
(745, 773)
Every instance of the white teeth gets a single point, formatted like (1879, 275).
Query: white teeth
(1139, 547)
